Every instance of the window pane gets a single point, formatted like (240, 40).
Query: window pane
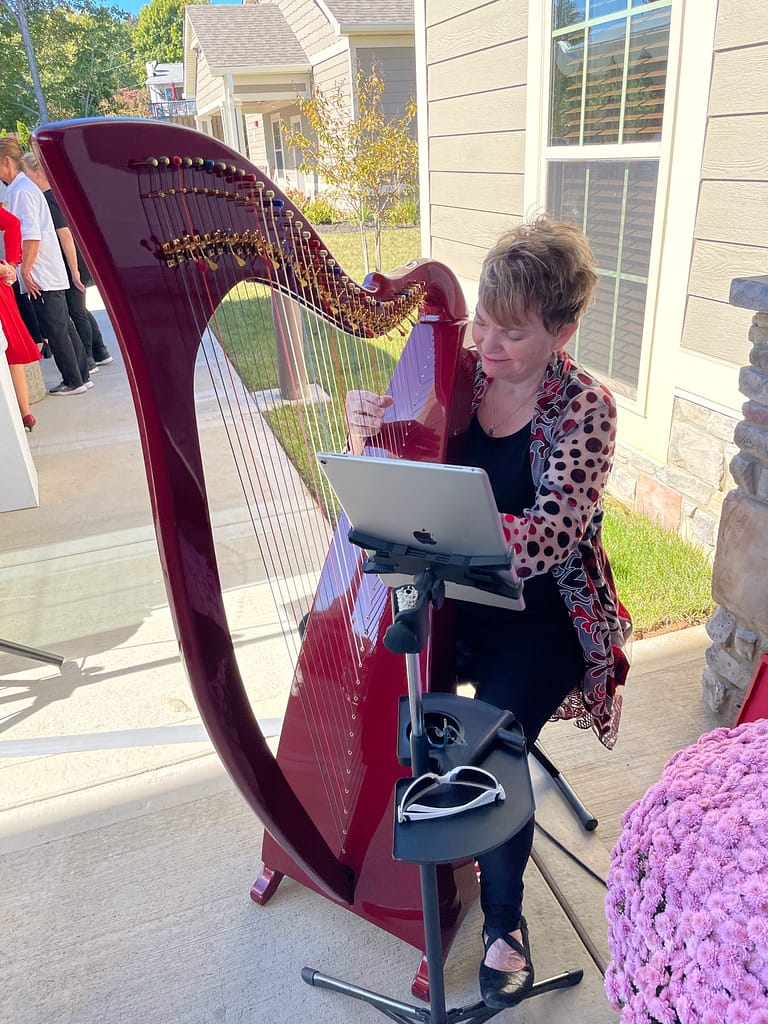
(630, 316)
(614, 202)
(567, 65)
(646, 76)
(603, 226)
(565, 199)
(568, 12)
(596, 331)
(598, 8)
(638, 217)
(605, 74)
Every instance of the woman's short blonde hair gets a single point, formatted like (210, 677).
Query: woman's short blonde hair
(10, 147)
(544, 267)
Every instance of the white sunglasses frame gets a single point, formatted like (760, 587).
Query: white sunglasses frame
(490, 791)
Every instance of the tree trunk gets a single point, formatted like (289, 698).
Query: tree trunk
(21, 17)
(364, 244)
(377, 242)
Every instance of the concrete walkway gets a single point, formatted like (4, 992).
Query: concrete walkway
(125, 852)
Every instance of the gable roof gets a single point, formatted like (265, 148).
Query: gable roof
(370, 12)
(247, 36)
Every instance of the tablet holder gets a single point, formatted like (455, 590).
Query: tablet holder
(479, 734)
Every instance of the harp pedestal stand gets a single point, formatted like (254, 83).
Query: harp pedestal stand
(484, 742)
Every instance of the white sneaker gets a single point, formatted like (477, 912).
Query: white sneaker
(66, 389)
(88, 385)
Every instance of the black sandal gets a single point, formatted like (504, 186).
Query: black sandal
(499, 989)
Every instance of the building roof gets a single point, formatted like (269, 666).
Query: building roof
(164, 74)
(371, 12)
(250, 35)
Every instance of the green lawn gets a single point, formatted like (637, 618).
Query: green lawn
(663, 580)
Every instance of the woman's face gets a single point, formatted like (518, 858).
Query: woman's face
(519, 353)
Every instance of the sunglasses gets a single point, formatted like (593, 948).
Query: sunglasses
(461, 789)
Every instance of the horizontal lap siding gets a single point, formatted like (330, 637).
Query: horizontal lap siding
(308, 24)
(476, 87)
(397, 66)
(332, 74)
(731, 238)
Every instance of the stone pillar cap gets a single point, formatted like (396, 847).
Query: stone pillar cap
(750, 293)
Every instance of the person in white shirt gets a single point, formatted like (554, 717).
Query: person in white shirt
(42, 273)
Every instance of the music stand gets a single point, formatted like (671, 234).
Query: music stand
(486, 743)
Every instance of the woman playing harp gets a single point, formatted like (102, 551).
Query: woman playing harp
(177, 228)
(543, 429)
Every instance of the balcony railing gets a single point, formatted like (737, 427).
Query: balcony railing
(173, 108)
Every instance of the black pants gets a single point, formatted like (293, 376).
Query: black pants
(528, 668)
(27, 312)
(86, 325)
(55, 324)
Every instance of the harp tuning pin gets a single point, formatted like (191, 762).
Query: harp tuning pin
(208, 165)
(220, 166)
(198, 161)
(164, 161)
(269, 194)
(152, 161)
(260, 185)
(212, 264)
(289, 214)
(238, 259)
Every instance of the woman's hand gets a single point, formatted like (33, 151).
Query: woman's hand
(364, 412)
(7, 273)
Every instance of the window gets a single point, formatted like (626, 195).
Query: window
(607, 84)
(277, 140)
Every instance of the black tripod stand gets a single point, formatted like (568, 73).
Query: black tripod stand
(31, 652)
(482, 742)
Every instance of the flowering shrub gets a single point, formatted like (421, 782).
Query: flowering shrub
(687, 901)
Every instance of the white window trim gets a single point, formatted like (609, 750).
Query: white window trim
(644, 422)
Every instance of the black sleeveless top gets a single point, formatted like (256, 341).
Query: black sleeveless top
(507, 462)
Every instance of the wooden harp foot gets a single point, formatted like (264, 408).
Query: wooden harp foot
(263, 889)
(420, 984)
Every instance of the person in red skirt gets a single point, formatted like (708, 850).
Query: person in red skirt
(21, 348)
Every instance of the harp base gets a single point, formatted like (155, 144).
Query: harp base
(265, 886)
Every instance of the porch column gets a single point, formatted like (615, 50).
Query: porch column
(739, 627)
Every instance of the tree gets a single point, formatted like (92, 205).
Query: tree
(368, 162)
(83, 51)
(159, 34)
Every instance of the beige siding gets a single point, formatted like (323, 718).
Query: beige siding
(209, 90)
(397, 66)
(717, 329)
(739, 24)
(730, 235)
(492, 152)
(475, 190)
(481, 26)
(332, 73)
(739, 81)
(715, 264)
(308, 23)
(256, 130)
(476, 89)
(495, 68)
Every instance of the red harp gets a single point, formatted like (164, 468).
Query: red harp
(182, 234)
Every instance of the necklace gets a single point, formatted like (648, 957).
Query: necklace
(494, 427)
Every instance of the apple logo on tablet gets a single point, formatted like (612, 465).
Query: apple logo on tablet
(424, 537)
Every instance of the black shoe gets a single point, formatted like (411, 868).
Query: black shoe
(499, 989)
(45, 351)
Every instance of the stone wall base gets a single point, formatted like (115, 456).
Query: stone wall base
(686, 494)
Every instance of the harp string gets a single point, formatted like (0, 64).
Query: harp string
(324, 350)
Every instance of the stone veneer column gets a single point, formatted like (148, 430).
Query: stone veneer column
(739, 627)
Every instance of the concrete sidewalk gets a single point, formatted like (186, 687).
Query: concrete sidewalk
(127, 856)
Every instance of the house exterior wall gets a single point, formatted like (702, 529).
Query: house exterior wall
(476, 74)
(209, 90)
(730, 238)
(483, 127)
(328, 74)
(308, 23)
(397, 66)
